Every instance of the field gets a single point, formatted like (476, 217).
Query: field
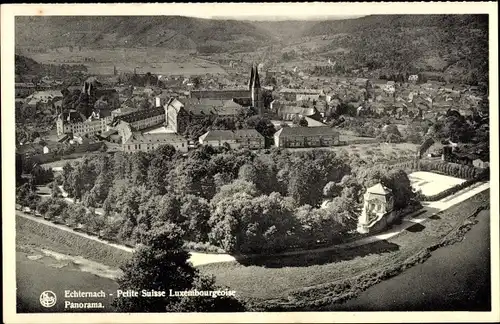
(371, 151)
(311, 281)
(155, 61)
(32, 236)
(432, 183)
(60, 163)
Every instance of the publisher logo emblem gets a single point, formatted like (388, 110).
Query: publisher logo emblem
(48, 299)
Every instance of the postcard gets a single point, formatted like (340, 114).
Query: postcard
(250, 162)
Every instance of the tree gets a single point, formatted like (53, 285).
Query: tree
(400, 184)
(196, 213)
(303, 122)
(196, 82)
(263, 125)
(162, 265)
(22, 194)
(244, 224)
(248, 173)
(140, 164)
(284, 124)
(169, 210)
(332, 190)
(221, 179)
(235, 187)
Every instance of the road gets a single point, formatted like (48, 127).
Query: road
(454, 278)
(196, 258)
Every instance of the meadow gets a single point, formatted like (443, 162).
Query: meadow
(154, 60)
(370, 151)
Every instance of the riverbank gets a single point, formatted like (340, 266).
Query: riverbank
(455, 278)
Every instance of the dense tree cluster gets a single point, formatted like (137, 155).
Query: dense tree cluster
(26, 66)
(443, 48)
(238, 200)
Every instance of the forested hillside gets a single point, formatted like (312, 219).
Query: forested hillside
(454, 45)
(170, 32)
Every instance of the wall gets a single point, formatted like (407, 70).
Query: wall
(146, 147)
(389, 218)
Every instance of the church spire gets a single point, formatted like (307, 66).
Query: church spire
(252, 75)
(256, 79)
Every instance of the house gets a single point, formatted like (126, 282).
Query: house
(300, 94)
(44, 97)
(226, 94)
(148, 142)
(182, 112)
(376, 214)
(360, 81)
(290, 112)
(389, 88)
(123, 110)
(141, 119)
(75, 123)
(161, 99)
(23, 89)
(241, 138)
(413, 78)
(295, 137)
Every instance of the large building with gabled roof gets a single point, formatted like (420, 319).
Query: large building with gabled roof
(299, 137)
(241, 138)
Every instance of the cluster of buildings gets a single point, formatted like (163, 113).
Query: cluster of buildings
(174, 112)
(132, 127)
(135, 130)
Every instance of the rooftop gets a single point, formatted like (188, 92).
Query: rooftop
(228, 134)
(302, 91)
(211, 106)
(138, 138)
(378, 189)
(307, 131)
(72, 116)
(297, 110)
(141, 114)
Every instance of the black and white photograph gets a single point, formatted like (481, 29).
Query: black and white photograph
(250, 158)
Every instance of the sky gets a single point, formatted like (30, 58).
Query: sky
(274, 17)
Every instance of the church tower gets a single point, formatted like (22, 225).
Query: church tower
(255, 91)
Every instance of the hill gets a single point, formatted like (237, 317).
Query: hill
(25, 65)
(286, 30)
(454, 45)
(169, 32)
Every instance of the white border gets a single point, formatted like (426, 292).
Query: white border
(291, 10)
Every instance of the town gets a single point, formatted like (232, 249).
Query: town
(268, 169)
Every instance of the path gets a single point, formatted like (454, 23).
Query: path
(430, 209)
